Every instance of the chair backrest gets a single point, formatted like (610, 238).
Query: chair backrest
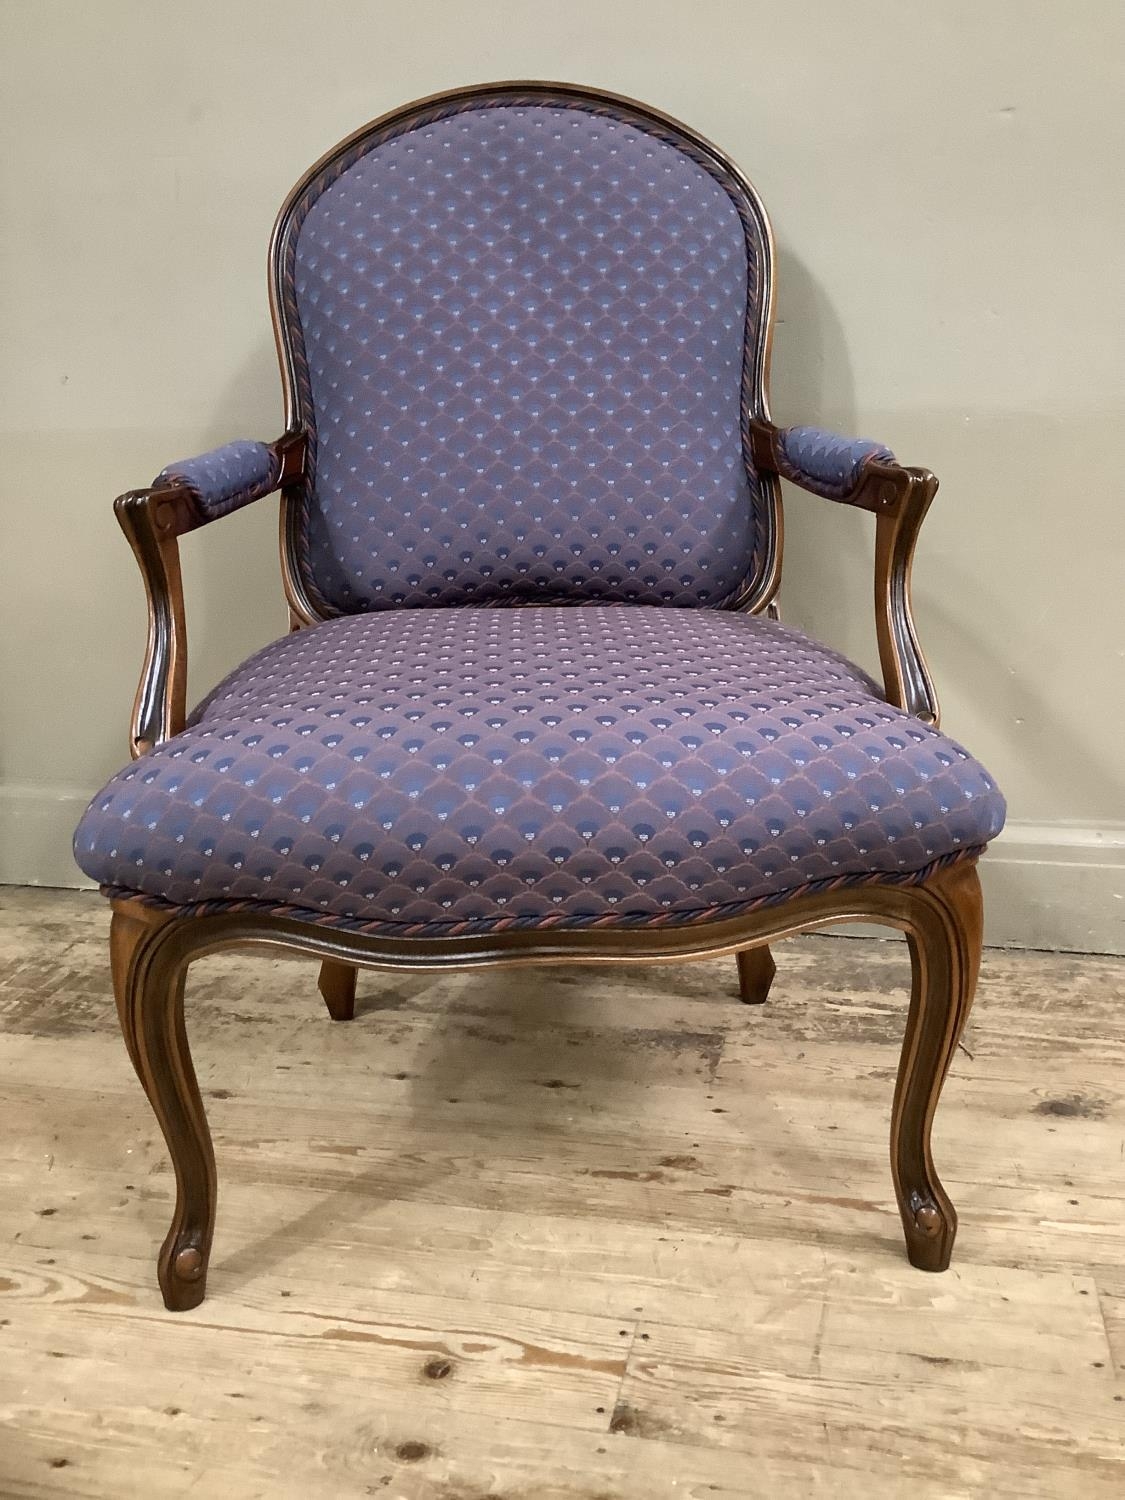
(525, 326)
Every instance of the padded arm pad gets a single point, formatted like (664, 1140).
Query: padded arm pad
(226, 478)
(824, 462)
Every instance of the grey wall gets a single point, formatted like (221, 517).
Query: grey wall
(944, 184)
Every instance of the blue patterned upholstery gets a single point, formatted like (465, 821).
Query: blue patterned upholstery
(520, 332)
(226, 478)
(824, 462)
(525, 341)
(433, 770)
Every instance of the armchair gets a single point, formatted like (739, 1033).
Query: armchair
(535, 704)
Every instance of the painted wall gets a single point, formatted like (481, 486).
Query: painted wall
(940, 178)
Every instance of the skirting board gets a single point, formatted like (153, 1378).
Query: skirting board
(1057, 886)
(1047, 885)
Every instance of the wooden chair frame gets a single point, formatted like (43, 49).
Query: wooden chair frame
(152, 946)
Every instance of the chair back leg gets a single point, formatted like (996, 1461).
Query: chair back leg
(337, 985)
(756, 970)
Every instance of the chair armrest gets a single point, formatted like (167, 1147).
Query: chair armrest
(184, 497)
(822, 462)
(226, 478)
(856, 471)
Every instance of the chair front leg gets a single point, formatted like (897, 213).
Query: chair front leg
(149, 985)
(945, 947)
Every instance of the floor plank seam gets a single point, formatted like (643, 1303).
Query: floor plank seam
(1116, 1370)
(617, 1412)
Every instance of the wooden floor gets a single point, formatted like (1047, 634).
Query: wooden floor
(567, 1236)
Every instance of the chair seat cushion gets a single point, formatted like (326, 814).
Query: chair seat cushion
(446, 770)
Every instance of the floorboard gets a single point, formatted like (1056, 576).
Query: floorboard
(607, 1236)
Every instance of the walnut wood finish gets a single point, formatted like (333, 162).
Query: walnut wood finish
(906, 677)
(159, 708)
(941, 918)
(899, 498)
(337, 984)
(945, 948)
(153, 520)
(756, 970)
(149, 984)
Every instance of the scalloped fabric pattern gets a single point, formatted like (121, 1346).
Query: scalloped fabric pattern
(824, 461)
(591, 764)
(226, 478)
(525, 330)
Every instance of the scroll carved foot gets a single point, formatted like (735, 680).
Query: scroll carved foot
(945, 945)
(149, 985)
(337, 985)
(756, 970)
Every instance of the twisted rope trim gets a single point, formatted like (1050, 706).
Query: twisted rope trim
(476, 926)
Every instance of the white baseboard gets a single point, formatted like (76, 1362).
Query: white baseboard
(36, 827)
(1047, 885)
(1056, 885)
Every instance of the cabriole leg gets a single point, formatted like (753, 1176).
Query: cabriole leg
(756, 970)
(337, 985)
(945, 947)
(149, 987)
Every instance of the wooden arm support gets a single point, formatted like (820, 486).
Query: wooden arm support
(153, 520)
(899, 498)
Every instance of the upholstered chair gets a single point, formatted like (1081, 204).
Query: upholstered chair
(535, 705)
